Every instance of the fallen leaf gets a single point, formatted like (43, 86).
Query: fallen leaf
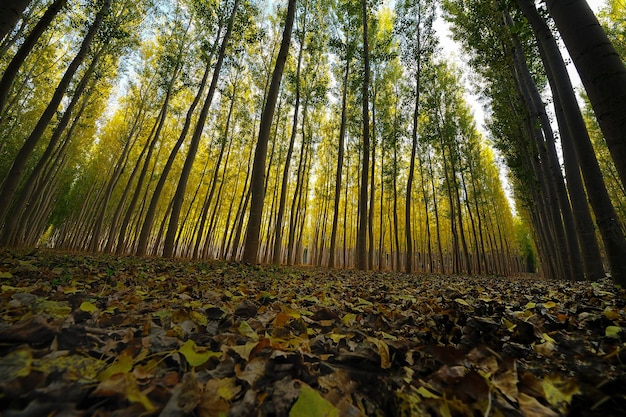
(196, 355)
(311, 404)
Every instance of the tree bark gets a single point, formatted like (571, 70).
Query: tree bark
(361, 240)
(575, 133)
(601, 70)
(11, 14)
(16, 171)
(22, 53)
(253, 228)
(278, 238)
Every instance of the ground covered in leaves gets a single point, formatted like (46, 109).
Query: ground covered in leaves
(105, 336)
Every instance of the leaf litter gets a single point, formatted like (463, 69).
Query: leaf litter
(124, 336)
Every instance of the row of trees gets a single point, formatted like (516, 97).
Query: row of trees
(518, 58)
(329, 132)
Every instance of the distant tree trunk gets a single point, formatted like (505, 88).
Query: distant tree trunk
(278, 239)
(146, 228)
(253, 229)
(20, 206)
(22, 53)
(179, 196)
(425, 198)
(120, 166)
(11, 14)
(361, 240)
(396, 233)
(601, 70)
(13, 177)
(370, 216)
(297, 195)
(209, 196)
(338, 174)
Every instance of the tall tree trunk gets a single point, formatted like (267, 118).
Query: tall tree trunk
(604, 211)
(278, 238)
(11, 13)
(12, 180)
(361, 239)
(253, 228)
(146, 228)
(20, 206)
(601, 70)
(209, 196)
(340, 154)
(370, 216)
(22, 53)
(179, 196)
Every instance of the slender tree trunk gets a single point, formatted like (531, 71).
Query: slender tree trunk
(179, 196)
(601, 70)
(340, 154)
(22, 53)
(146, 228)
(278, 239)
(11, 13)
(253, 229)
(370, 217)
(604, 211)
(20, 206)
(361, 240)
(12, 180)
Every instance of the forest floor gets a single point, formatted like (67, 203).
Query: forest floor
(124, 336)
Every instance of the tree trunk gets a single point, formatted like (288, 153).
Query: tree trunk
(278, 238)
(11, 14)
(20, 56)
(601, 70)
(179, 196)
(16, 171)
(253, 228)
(361, 239)
(604, 211)
(340, 154)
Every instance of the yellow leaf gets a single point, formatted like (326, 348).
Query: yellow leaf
(134, 395)
(427, 394)
(388, 336)
(364, 302)
(57, 309)
(196, 356)
(611, 314)
(349, 318)
(246, 330)
(228, 389)
(383, 351)
(198, 318)
(549, 304)
(6, 275)
(336, 337)
(16, 364)
(244, 350)
(123, 364)
(530, 305)
(462, 302)
(613, 332)
(311, 404)
(88, 307)
(559, 392)
(124, 385)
